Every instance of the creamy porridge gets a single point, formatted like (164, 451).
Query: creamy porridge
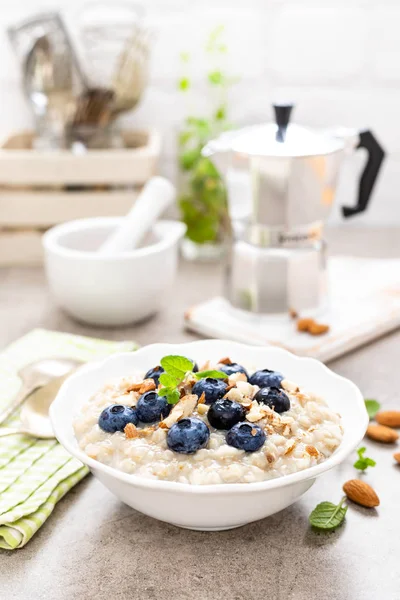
(232, 426)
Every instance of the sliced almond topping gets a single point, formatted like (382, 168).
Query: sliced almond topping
(183, 408)
(312, 451)
(202, 399)
(254, 432)
(225, 361)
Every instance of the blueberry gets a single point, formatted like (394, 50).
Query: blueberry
(266, 378)
(232, 368)
(212, 388)
(246, 436)
(151, 407)
(274, 398)
(224, 414)
(154, 374)
(188, 435)
(115, 417)
(195, 365)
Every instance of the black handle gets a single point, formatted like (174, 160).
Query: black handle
(282, 118)
(376, 154)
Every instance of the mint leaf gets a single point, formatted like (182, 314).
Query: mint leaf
(169, 381)
(172, 396)
(184, 84)
(176, 365)
(214, 374)
(363, 462)
(328, 516)
(372, 406)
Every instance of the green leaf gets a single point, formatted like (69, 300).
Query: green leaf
(177, 366)
(185, 137)
(373, 407)
(188, 159)
(216, 78)
(168, 380)
(363, 462)
(328, 516)
(172, 396)
(212, 373)
(185, 57)
(184, 84)
(220, 113)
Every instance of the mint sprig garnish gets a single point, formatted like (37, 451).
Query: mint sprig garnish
(176, 368)
(328, 516)
(363, 462)
(372, 406)
(214, 374)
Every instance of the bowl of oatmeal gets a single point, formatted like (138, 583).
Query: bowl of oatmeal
(210, 434)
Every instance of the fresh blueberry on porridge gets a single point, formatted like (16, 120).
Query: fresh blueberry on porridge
(151, 407)
(212, 388)
(224, 414)
(274, 398)
(212, 423)
(188, 435)
(231, 368)
(266, 378)
(247, 437)
(116, 417)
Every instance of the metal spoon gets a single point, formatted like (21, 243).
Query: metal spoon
(36, 375)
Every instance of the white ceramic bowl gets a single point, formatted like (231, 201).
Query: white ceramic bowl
(117, 290)
(211, 507)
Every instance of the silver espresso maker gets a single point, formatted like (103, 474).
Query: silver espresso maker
(281, 180)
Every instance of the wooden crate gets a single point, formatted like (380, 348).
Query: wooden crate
(39, 189)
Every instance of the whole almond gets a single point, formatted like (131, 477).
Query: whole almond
(397, 457)
(390, 418)
(361, 493)
(381, 433)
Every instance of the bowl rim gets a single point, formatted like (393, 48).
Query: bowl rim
(336, 458)
(50, 239)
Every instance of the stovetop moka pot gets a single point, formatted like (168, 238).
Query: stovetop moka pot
(281, 180)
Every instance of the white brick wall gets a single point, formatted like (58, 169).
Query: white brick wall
(339, 60)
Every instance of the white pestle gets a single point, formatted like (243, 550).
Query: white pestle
(156, 196)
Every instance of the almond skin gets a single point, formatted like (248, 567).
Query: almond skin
(381, 433)
(390, 418)
(397, 457)
(361, 493)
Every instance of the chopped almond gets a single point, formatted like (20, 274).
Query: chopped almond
(148, 385)
(225, 361)
(202, 399)
(183, 408)
(318, 329)
(304, 324)
(130, 431)
(202, 409)
(312, 451)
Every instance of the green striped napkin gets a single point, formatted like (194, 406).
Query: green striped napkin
(35, 474)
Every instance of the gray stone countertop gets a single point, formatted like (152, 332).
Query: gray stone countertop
(93, 546)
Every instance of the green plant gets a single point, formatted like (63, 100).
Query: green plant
(203, 201)
(363, 462)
